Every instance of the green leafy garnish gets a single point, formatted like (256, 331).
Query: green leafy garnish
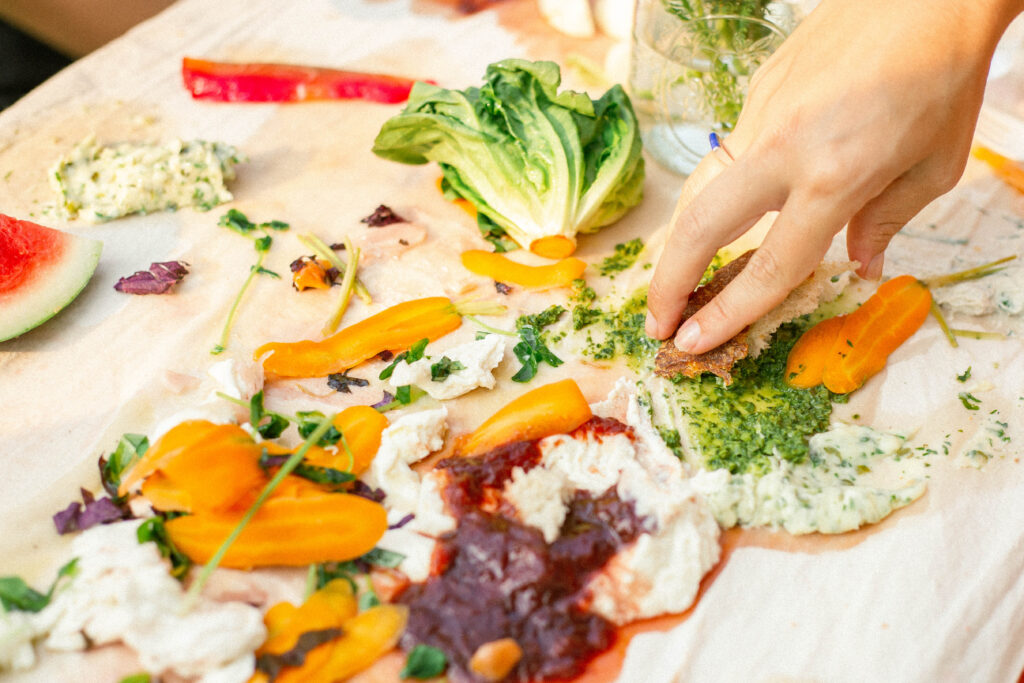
(534, 161)
(15, 594)
(424, 661)
(309, 420)
(404, 395)
(153, 529)
(380, 557)
(970, 401)
(625, 255)
(269, 430)
(440, 370)
(965, 375)
(237, 221)
(531, 352)
(130, 450)
(414, 353)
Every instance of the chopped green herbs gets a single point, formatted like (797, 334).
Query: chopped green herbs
(268, 430)
(970, 401)
(538, 321)
(531, 352)
(423, 662)
(620, 332)
(238, 222)
(404, 395)
(153, 529)
(15, 594)
(343, 382)
(625, 255)
(442, 369)
(965, 375)
(741, 426)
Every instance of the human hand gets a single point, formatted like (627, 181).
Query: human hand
(864, 115)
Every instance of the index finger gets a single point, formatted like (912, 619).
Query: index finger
(727, 207)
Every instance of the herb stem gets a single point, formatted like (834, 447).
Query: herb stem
(488, 328)
(310, 582)
(325, 252)
(975, 273)
(977, 334)
(477, 307)
(347, 284)
(290, 464)
(941, 319)
(222, 344)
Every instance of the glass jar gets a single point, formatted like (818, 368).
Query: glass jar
(689, 72)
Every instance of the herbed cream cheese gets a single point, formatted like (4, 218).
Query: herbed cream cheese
(824, 495)
(101, 183)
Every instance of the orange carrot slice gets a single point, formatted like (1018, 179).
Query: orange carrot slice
(1007, 170)
(198, 465)
(393, 329)
(553, 246)
(555, 408)
(806, 359)
(329, 607)
(872, 332)
(285, 531)
(362, 427)
(312, 275)
(503, 269)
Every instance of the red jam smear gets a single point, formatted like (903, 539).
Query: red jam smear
(498, 578)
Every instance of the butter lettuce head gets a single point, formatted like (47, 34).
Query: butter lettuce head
(534, 161)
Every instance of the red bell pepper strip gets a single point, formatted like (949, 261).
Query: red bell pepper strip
(229, 82)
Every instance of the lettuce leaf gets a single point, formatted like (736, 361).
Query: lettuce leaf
(534, 161)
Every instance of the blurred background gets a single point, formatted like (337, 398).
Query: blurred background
(40, 37)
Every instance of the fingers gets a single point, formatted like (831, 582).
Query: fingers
(791, 251)
(732, 202)
(871, 228)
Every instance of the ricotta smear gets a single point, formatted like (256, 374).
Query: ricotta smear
(101, 183)
(123, 592)
(468, 366)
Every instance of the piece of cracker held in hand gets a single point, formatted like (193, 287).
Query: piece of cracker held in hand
(823, 285)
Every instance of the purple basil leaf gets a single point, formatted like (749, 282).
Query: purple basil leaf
(66, 520)
(386, 399)
(360, 488)
(403, 521)
(158, 279)
(87, 496)
(102, 511)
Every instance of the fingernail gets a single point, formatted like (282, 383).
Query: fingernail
(688, 336)
(651, 326)
(874, 269)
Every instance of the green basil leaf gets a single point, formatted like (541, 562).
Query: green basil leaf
(424, 662)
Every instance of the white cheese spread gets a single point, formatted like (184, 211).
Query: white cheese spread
(477, 359)
(123, 593)
(102, 183)
(824, 495)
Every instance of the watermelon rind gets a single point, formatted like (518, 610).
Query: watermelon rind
(51, 289)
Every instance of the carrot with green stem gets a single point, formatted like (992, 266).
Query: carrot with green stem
(393, 329)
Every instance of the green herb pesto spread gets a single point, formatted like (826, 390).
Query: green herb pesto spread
(103, 183)
(625, 256)
(741, 427)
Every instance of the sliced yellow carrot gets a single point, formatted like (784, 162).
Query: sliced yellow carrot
(393, 329)
(555, 408)
(807, 358)
(503, 269)
(1007, 170)
(871, 333)
(329, 607)
(553, 246)
(286, 531)
(201, 465)
(361, 427)
(367, 637)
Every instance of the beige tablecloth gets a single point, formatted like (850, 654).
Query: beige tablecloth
(934, 593)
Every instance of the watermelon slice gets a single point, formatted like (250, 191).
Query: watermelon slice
(42, 270)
